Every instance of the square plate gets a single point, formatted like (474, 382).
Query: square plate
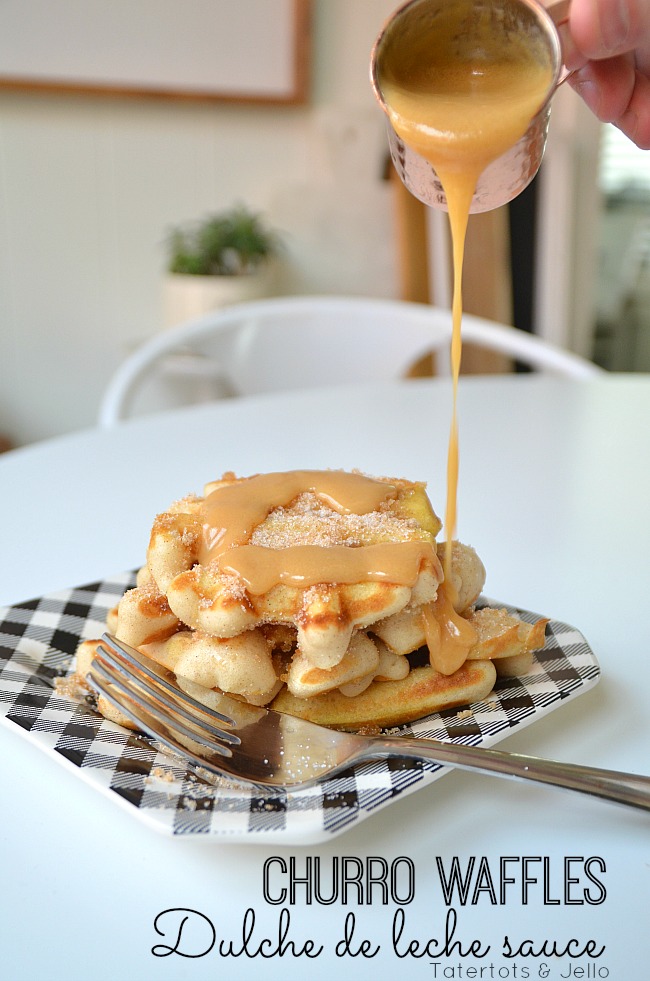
(38, 640)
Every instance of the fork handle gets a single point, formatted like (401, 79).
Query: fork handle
(624, 788)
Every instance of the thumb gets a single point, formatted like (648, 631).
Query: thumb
(604, 28)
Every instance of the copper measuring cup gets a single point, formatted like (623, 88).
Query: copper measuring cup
(509, 174)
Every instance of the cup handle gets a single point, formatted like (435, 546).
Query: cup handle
(559, 14)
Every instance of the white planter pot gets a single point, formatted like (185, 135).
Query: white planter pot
(188, 297)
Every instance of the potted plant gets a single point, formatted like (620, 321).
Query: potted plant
(224, 258)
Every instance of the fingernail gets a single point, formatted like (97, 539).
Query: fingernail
(614, 25)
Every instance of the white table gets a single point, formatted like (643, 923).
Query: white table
(554, 494)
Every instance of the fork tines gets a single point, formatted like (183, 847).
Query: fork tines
(151, 699)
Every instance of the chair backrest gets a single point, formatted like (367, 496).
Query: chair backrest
(303, 342)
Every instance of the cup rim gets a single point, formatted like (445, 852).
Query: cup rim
(534, 5)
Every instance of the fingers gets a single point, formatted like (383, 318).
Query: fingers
(616, 92)
(605, 28)
(610, 56)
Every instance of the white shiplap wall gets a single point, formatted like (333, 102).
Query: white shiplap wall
(89, 187)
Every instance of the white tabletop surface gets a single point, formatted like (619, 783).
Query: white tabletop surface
(554, 494)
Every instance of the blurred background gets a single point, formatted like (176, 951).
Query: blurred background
(91, 183)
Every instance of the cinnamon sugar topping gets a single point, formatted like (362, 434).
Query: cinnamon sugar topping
(308, 521)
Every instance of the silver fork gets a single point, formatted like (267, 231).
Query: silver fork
(256, 745)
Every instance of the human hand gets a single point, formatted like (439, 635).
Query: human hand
(611, 62)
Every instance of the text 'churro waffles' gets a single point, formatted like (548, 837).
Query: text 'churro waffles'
(323, 594)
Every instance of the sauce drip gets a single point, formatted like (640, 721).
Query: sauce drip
(449, 636)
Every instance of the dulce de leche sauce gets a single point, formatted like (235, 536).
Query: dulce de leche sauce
(235, 509)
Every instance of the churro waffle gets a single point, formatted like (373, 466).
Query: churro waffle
(310, 591)
(238, 574)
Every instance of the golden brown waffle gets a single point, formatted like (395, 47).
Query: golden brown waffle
(206, 594)
(309, 591)
(240, 665)
(393, 703)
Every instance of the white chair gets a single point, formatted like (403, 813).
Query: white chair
(307, 341)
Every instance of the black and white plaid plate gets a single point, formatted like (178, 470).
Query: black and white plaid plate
(38, 640)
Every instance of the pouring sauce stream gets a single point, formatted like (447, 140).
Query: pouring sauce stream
(460, 113)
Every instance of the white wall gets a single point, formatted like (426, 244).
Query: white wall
(89, 187)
